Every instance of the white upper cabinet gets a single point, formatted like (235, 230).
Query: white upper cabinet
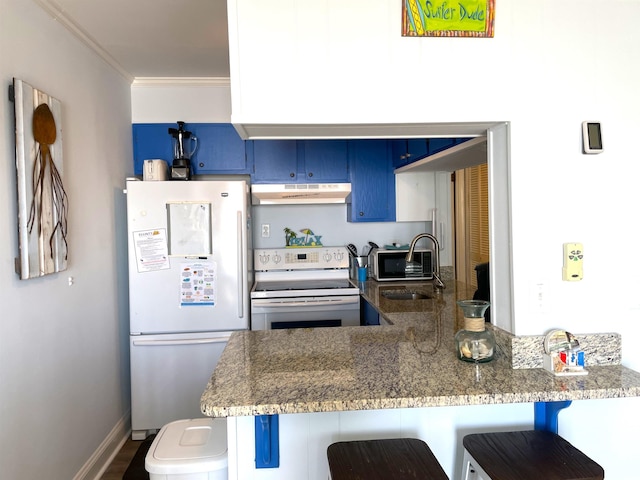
(415, 196)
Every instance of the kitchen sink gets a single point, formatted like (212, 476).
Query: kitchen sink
(404, 295)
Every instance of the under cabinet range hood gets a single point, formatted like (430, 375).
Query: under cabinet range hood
(299, 193)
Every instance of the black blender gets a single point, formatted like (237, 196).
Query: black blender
(184, 146)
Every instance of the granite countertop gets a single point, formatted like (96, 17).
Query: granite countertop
(411, 363)
(441, 303)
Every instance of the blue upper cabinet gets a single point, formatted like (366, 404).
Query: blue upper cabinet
(418, 148)
(438, 144)
(325, 160)
(409, 150)
(220, 149)
(299, 161)
(274, 161)
(399, 150)
(406, 151)
(372, 182)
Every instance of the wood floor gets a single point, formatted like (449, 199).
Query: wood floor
(121, 462)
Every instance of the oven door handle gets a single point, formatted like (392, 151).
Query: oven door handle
(275, 303)
(186, 341)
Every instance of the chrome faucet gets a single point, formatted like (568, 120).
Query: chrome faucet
(438, 283)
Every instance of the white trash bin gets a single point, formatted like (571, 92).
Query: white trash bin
(189, 450)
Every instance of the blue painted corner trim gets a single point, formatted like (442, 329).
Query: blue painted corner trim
(545, 415)
(267, 441)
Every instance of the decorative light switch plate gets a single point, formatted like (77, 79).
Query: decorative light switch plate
(572, 262)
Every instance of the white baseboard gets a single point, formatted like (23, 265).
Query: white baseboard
(107, 451)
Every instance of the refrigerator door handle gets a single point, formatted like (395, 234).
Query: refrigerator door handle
(192, 341)
(241, 275)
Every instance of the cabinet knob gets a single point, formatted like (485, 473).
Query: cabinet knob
(362, 214)
(292, 174)
(201, 164)
(311, 174)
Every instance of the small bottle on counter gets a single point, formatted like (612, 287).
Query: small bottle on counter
(474, 343)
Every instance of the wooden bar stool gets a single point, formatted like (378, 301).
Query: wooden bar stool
(525, 455)
(389, 459)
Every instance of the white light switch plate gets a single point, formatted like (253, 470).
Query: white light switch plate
(572, 262)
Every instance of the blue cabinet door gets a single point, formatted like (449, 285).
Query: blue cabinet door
(220, 148)
(399, 152)
(275, 161)
(325, 160)
(435, 145)
(372, 182)
(438, 144)
(406, 151)
(299, 161)
(418, 148)
(368, 314)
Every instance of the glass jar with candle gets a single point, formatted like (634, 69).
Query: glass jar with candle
(474, 343)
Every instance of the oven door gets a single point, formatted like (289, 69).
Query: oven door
(305, 312)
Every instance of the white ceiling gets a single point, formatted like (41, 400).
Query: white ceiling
(151, 38)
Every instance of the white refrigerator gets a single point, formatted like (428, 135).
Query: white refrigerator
(189, 282)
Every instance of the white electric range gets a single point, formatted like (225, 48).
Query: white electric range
(303, 287)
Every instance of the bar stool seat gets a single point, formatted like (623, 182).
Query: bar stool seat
(388, 459)
(525, 455)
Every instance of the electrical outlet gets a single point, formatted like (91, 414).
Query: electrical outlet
(266, 230)
(572, 262)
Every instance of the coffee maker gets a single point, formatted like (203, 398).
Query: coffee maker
(184, 146)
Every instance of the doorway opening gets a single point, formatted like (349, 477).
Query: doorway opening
(499, 194)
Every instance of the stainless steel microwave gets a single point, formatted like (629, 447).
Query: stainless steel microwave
(389, 265)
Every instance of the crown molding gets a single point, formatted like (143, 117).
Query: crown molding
(58, 14)
(181, 82)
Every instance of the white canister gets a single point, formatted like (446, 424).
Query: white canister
(154, 170)
(194, 449)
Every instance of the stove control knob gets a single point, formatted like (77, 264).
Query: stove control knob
(277, 258)
(339, 256)
(264, 258)
(327, 257)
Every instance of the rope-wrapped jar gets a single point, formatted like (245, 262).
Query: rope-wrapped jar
(474, 343)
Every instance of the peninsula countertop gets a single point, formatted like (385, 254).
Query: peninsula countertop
(409, 364)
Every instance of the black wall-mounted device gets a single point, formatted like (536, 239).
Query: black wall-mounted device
(591, 137)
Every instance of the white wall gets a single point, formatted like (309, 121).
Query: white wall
(172, 100)
(550, 66)
(330, 221)
(63, 349)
